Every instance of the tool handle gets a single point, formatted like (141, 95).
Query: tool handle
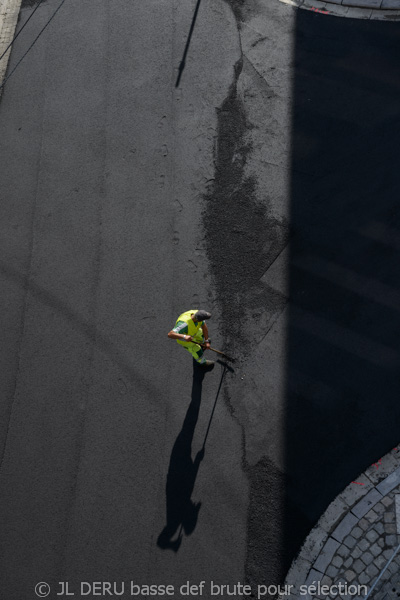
(217, 351)
(214, 350)
(222, 354)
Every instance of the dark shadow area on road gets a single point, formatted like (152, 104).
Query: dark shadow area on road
(182, 64)
(343, 336)
(182, 512)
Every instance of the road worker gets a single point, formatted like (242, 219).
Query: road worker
(190, 327)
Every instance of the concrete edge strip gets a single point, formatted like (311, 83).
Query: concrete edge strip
(9, 11)
(356, 9)
(351, 505)
(398, 513)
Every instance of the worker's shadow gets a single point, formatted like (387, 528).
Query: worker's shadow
(182, 512)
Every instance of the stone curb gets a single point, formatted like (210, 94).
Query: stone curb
(9, 11)
(383, 10)
(342, 515)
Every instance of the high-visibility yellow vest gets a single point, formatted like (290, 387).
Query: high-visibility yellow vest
(193, 328)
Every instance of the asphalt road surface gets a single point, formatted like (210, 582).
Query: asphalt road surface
(264, 189)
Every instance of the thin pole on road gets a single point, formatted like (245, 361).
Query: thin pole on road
(215, 404)
(183, 61)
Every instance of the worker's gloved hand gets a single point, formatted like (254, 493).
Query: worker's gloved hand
(204, 344)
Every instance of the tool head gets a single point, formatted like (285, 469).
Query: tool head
(225, 365)
(229, 358)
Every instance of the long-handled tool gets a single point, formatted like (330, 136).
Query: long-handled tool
(214, 350)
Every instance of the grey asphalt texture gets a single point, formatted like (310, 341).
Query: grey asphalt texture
(264, 189)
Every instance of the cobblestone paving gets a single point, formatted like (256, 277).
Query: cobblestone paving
(356, 542)
(366, 550)
(389, 586)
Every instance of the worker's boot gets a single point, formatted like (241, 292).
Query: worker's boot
(208, 365)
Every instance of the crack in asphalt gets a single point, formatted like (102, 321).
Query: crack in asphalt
(264, 82)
